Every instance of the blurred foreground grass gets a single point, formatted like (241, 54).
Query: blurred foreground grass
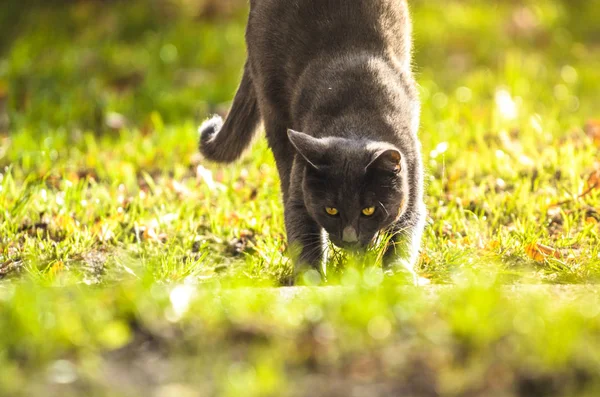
(126, 259)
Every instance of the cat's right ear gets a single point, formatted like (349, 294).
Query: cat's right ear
(312, 149)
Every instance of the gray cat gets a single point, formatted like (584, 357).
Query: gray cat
(340, 72)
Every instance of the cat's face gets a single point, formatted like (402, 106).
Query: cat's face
(352, 189)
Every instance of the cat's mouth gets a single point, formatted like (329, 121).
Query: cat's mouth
(357, 246)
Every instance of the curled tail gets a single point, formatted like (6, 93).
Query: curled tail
(225, 142)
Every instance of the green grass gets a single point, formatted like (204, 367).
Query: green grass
(126, 260)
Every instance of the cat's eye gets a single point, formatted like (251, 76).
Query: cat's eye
(368, 211)
(331, 211)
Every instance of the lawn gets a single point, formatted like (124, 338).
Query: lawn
(129, 266)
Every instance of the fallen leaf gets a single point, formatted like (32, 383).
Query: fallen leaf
(460, 242)
(592, 183)
(593, 180)
(592, 130)
(66, 223)
(232, 218)
(56, 267)
(425, 259)
(492, 245)
(539, 252)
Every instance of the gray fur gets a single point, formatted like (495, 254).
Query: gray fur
(339, 72)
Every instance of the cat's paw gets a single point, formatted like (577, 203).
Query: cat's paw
(402, 268)
(287, 281)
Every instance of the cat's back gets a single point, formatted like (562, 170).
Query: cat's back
(307, 29)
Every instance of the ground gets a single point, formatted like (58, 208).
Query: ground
(131, 266)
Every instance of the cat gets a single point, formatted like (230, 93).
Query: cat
(332, 83)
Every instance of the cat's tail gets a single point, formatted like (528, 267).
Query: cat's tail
(225, 142)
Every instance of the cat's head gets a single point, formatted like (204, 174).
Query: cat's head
(352, 188)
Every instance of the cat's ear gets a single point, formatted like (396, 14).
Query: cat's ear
(386, 159)
(312, 149)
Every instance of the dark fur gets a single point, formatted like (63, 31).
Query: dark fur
(339, 71)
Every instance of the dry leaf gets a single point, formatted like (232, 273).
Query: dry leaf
(56, 267)
(425, 259)
(492, 245)
(592, 129)
(539, 252)
(593, 180)
(65, 223)
(232, 218)
(460, 242)
(592, 183)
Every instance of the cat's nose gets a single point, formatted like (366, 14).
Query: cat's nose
(349, 235)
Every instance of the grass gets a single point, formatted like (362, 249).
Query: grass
(127, 261)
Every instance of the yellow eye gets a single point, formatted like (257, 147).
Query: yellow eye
(331, 211)
(368, 211)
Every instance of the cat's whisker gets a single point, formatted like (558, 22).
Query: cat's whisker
(383, 208)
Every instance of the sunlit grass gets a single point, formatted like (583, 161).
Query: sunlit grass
(130, 266)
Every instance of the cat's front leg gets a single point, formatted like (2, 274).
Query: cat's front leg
(402, 252)
(305, 238)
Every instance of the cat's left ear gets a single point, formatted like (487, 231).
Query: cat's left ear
(314, 150)
(386, 159)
